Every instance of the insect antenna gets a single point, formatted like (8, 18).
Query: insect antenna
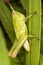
(11, 6)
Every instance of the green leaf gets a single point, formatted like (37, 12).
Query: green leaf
(34, 28)
(6, 20)
(15, 61)
(25, 4)
(41, 59)
(4, 59)
(42, 35)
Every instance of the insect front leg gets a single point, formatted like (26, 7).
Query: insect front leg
(31, 15)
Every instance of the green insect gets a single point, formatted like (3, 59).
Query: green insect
(21, 32)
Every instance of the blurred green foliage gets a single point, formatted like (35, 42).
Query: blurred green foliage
(7, 33)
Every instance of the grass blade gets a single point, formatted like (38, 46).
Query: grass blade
(4, 59)
(41, 59)
(34, 27)
(6, 20)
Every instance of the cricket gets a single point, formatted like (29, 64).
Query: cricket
(20, 29)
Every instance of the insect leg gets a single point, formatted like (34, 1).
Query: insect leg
(31, 15)
(26, 46)
(18, 47)
(26, 43)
